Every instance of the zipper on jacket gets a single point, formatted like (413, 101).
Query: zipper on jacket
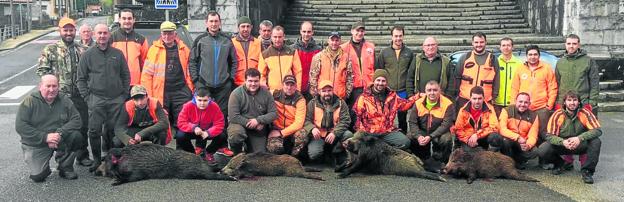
(506, 83)
(217, 49)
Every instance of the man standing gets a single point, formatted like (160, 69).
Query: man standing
(103, 81)
(247, 48)
(213, 61)
(333, 65)
(376, 110)
(142, 119)
(537, 79)
(278, 61)
(573, 130)
(61, 59)
(306, 48)
(362, 56)
(252, 110)
(430, 124)
(476, 68)
(202, 120)
(578, 72)
(396, 59)
(291, 112)
(520, 127)
(86, 36)
(133, 45)
(166, 74)
(426, 66)
(58, 131)
(508, 64)
(265, 29)
(477, 124)
(327, 123)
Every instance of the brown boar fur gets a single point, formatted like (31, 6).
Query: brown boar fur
(482, 164)
(267, 164)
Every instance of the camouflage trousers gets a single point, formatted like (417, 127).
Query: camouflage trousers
(276, 143)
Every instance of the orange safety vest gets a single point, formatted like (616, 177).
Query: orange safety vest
(318, 118)
(364, 66)
(153, 75)
(335, 72)
(475, 74)
(151, 106)
(247, 59)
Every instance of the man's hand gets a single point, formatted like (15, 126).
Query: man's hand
(472, 141)
(252, 123)
(574, 142)
(198, 131)
(205, 135)
(137, 138)
(521, 140)
(316, 133)
(330, 138)
(424, 140)
(524, 147)
(132, 141)
(52, 145)
(260, 127)
(53, 138)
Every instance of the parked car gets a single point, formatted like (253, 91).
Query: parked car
(521, 54)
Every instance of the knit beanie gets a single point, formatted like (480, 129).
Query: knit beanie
(380, 72)
(244, 19)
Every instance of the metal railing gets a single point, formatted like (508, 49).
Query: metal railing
(6, 32)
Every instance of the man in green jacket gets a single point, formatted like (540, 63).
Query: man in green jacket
(58, 131)
(507, 63)
(426, 66)
(251, 110)
(396, 60)
(141, 119)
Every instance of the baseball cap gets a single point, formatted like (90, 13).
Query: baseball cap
(243, 20)
(325, 83)
(357, 25)
(334, 34)
(289, 78)
(138, 90)
(66, 21)
(167, 26)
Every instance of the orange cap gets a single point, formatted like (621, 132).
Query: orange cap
(66, 21)
(325, 83)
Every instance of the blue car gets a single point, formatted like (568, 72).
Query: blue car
(521, 54)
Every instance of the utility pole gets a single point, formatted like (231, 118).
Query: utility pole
(12, 18)
(41, 13)
(29, 9)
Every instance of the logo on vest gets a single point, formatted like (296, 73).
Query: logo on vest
(524, 76)
(469, 65)
(369, 50)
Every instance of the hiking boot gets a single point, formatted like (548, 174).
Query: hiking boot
(568, 166)
(557, 171)
(71, 175)
(587, 177)
(226, 152)
(85, 162)
(198, 150)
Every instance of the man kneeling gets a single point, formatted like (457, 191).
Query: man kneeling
(520, 127)
(142, 119)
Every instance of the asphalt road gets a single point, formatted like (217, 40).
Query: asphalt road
(16, 186)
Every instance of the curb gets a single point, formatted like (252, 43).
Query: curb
(48, 30)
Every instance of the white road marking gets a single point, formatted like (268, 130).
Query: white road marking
(618, 120)
(18, 74)
(9, 104)
(16, 92)
(51, 41)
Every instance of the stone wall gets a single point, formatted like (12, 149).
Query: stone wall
(230, 10)
(544, 16)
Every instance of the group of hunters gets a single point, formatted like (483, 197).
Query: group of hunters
(249, 94)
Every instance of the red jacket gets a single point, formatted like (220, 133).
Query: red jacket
(210, 119)
(306, 52)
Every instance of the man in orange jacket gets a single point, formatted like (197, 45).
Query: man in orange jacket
(247, 48)
(334, 66)
(278, 61)
(291, 112)
(141, 119)
(476, 123)
(132, 44)
(519, 125)
(537, 79)
(165, 73)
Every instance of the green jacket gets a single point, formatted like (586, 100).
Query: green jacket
(142, 119)
(582, 124)
(56, 59)
(36, 118)
(243, 106)
(344, 119)
(578, 72)
(103, 73)
(397, 68)
(506, 72)
(413, 79)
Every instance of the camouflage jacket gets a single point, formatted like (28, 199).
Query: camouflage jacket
(55, 59)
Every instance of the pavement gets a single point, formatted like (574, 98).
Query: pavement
(12, 43)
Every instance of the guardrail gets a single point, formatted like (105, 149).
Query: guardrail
(6, 32)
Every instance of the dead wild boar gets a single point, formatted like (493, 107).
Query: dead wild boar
(267, 164)
(482, 164)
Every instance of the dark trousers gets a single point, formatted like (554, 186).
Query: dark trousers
(512, 149)
(38, 158)
(221, 95)
(159, 138)
(460, 102)
(240, 138)
(83, 110)
(551, 153)
(351, 100)
(543, 115)
(102, 111)
(183, 142)
(492, 142)
(441, 147)
(173, 102)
